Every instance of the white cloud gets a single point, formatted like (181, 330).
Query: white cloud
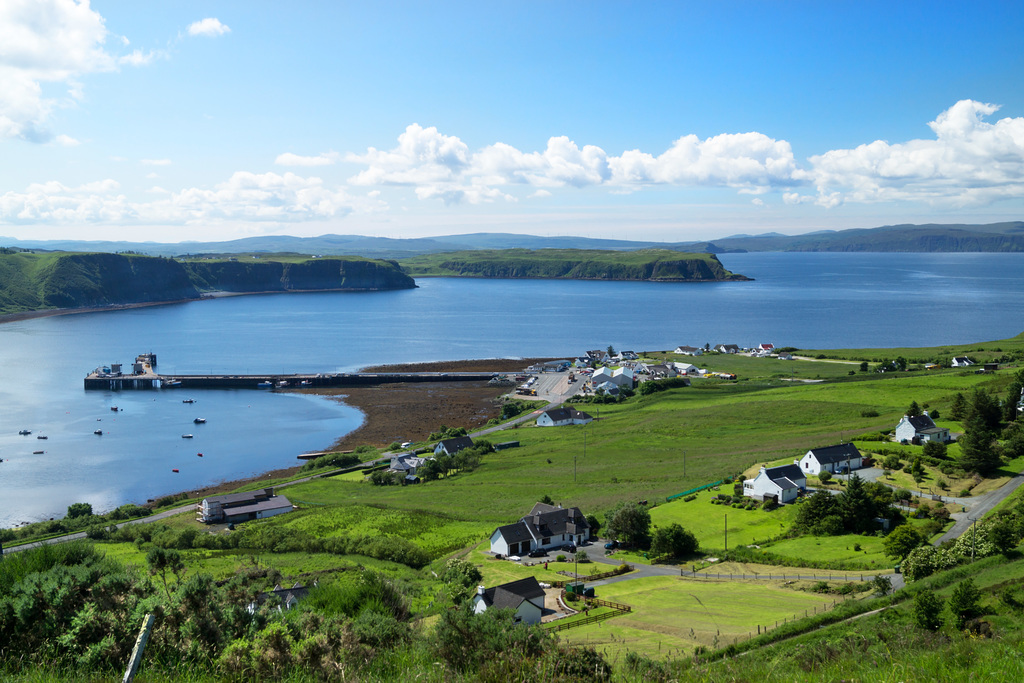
(137, 58)
(970, 162)
(441, 166)
(43, 42)
(244, 197)
(209, 27)
(66, 141)
(156, 162)
(289, 159)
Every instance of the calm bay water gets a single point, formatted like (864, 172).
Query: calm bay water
(808, 300)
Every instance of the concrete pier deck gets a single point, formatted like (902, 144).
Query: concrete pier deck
(152, 380)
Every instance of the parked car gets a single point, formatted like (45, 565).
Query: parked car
(539, 552)
(611, 545)
(569, 547)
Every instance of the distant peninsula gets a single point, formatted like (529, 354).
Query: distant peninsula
(648, 265)
(61, 280)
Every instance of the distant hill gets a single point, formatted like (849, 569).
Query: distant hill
(658, 265)
(994, 237)
(30, 281)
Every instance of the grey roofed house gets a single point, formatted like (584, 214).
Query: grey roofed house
(511, 595)
(453, 446)
(836, 454)
(563, 416)
(241, 507)
(727, 348)
(546, 526)
(790, 472)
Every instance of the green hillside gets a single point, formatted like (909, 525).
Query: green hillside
(660, 265)
(30, 281)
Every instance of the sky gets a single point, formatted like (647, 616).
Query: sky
(171, 120)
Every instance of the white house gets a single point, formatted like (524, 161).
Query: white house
(622, 377)
(689, 350)
(560, 417)
(727, 348)
(407, 464)
(453, 446)
(921, 427)
(545, 528)
(687, 369)
(781, 483)
(626, 355)
(662, 370)
(961, 362)
(842, 458)
(525, 596)
(597, 356)
(242, 507)
(766, 347)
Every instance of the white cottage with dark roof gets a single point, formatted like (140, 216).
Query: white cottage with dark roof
(525, 596)
(835, 459)
(453, 446)
(782, 484)
(545, 528)
(921, 427)
(560, 417)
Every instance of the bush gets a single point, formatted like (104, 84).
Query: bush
(869, 412)
(825, 476)
(560, 558)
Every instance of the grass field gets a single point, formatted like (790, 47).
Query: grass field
(709, 522)
(672, 616)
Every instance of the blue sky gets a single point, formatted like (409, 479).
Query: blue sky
(667, 121)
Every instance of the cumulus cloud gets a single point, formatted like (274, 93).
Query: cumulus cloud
(66, 141)
(289, 159)
(969, 162)
(43, 42)
(156, 162)
(209, 27)
(245, 196)
(442, 166)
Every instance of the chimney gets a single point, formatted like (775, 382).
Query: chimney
(480, 590)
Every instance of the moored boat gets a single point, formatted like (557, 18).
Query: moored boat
(25, 432)
(186, 436)
(42, 437)
(98, 432)
(264, 385)
(188, 400)
(38, 452)
(200, 420)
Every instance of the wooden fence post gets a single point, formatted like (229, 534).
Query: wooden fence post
(140, 646)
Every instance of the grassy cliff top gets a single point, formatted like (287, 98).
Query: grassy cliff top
(579, 264)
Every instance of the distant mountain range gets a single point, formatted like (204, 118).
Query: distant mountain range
(993, 237)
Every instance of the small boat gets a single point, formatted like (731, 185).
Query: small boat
(186, 436)
(25, 432)
(200, 420)
(188, 400)
(305, 383)
(42, 437)
(38, 452)
(98, 432)
(175, 469)
(199, 455)
(172, 383)
(264, 385)
(114, 408)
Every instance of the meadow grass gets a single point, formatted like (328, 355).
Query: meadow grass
(673, 615)
(709, 522)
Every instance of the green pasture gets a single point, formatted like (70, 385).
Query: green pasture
(709, 523)
(747, 367)
(634, 451)
(673, 615)
(503, 571)
(983, 351)
(871, 556)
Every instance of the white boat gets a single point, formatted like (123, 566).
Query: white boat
(200, 420)
(98, 432)
(186, 436)
(188, 400)
(264, 385)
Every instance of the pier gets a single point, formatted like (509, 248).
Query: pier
(111, 378)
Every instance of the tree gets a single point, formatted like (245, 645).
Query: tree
(901, 541)
(958, 409)
(856, 508)
(611, 350)
(461, 577)
(673, 540)
(976, 451)
(814, 515)
(1014, 396)
(964, 603)
(594, 523)
(824, 476)
(864, 366)
(913, 410)
(927, 611)
(934, 449)
(882, 584)
(629, 524)
(546, 499)
(79, 510)
(1004, 533)
(984, 410)
(161, 561)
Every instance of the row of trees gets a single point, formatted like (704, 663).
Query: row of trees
(852, 511)
(630, 524)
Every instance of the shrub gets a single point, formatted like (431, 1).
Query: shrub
(927, 609)
(560, 558)
(869, 412)
(963, 603)
(825, 476)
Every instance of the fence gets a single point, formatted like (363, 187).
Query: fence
(617, 606)
(782, 576)
(699, 488)
(593, 577)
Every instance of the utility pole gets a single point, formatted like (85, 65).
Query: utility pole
(684, 464)
(974, 536)
(727, 533)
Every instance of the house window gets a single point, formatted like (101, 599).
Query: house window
(545, 541)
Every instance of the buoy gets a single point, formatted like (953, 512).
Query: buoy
(174, 470)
